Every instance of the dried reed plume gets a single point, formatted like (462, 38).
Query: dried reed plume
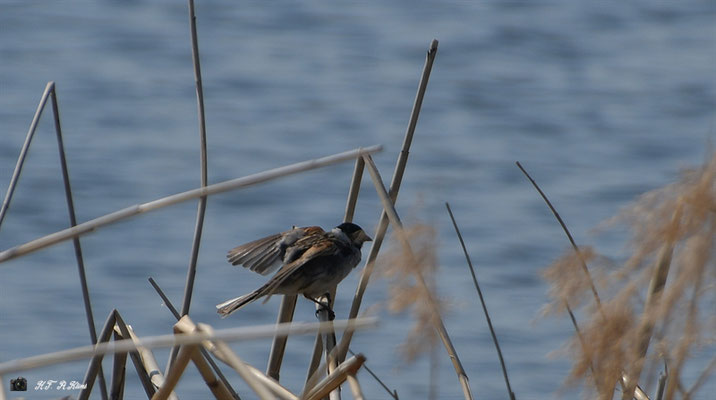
(658, 292)
(404, 293)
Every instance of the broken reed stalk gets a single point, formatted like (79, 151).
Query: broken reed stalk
(394, 189)
(212, 189)
(432, 303)
(216, 386)
(227, 355)
(202, 350)
(175, 372)
(148, 362)
(355, 387)
(482, 301)
(50, 92)
(164, 341)
(139, 364)
(335, 378)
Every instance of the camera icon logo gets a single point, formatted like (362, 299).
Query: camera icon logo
(18, 385)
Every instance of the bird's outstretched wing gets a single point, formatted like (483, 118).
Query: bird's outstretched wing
(267, 254)
(319, 246)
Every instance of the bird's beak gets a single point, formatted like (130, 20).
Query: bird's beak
(365, 237)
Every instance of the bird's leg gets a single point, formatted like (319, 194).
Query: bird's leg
(324, 306)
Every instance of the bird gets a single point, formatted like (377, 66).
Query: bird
(310, 261)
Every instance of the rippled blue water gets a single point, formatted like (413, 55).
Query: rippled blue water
(601, 101)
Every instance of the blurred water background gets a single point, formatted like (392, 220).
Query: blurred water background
(600, 101)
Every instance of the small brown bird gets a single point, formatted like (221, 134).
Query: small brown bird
(311, 260)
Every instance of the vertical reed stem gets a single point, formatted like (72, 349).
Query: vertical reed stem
(394, 188)
(196, 242)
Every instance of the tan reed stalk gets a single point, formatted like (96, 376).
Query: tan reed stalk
(185, 325)
(278, 346)
(228, 356)
(394, 189)
(175, 372)
(202, 350)
(216, 386)
(334, 379)
(163, 341)
(267, 381)
(432, 303)
(272, 384)
(139, 364)
(119, 370)
(148, 362)
(355, 387)
(212, 189)
(708, 371)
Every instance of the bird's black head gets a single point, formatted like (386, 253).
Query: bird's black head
(355, 233)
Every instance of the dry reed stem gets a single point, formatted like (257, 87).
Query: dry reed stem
(355, 387)
(394, 189)
(216, 188)
(50, 93)
(482, 302)
(430, 300)
(228, 356)
(216, 386)
(175, 372)
(673, 231)
(335, 378)
(163, 341)
(278, 346)
(258, 376)
(119, 369)
(148, 361)
(203, 351)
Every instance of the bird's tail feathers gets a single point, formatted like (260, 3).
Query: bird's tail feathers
(226, 308)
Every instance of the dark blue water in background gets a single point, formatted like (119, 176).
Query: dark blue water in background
(600, 101)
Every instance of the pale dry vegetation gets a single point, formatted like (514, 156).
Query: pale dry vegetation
(658, 304)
